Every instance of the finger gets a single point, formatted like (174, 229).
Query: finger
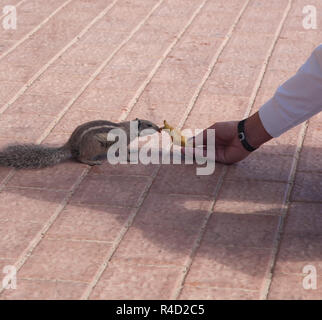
(198, 153)
(200, 139)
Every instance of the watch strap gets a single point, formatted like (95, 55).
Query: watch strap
(242, 136)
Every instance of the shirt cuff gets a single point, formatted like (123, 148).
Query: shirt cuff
(297, 99)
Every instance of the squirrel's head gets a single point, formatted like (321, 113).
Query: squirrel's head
(147, 126)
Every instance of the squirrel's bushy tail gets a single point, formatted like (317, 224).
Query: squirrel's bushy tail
(32, 156)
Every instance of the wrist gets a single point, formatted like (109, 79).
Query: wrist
(255, 132)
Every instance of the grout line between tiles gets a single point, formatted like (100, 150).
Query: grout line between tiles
(284, 210)
(35, 241)
(143, 196)
(15, 5)
(34, 30)
(247, 112)
(196, 245)
(53, 59)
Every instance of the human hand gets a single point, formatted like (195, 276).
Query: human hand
(228, 148)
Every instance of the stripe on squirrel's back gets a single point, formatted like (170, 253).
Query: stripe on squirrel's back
(78, 133)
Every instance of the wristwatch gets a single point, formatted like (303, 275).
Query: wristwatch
(242, 136)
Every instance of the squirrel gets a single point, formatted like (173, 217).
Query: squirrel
(87, 142)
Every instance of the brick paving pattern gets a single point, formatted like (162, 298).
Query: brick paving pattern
(157, 231)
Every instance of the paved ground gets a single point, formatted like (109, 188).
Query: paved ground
(157, 232)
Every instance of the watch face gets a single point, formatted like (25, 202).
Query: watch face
(241, 136)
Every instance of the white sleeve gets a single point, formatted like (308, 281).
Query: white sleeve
(297, 99)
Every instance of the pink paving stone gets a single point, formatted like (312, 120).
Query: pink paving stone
(65, 260)
(182, 179)
(247, 47)
(102, 37)
(29, 204)
(111, 102)
(307, 187)
(211, 108)
(208, 293)
(304, 218)
(213, 24)
(298, 250)
(44, 290)
(286, 57)
(284, 145)
(84, 54)
(229, 267)
(37, 6)
(75, 117)
(311, 35)
(71, 20)
(290, 287)
(223, 6)
(256, 19)
(234, 85)
(176, 71)
(38, 104)
(274, 78)
(134, 57)
(156, 244)
(53, 83)
(5, 262)
(289, 50)
(264, 94)
(136, 282)
(194, 52)
(28, 54)
(125, 169)
(164, 92)
(15, 237)
(174, 211)
(235, 68)
(8, 89)
(257, 167)
(16, 73)
(123, 17)
(41, 39)
(246, 230)
(84, 222)
(315, 120)
(310, 158)
(4, 173)
(5, 45)
(61, 177)
(6, 266)
(57, 139)
(29, 19)
(252, 197)
(233, 78)
(110, 190)
(157, 111)
(17, 34)
(116, 79)
(23, 126)
(293, 23)
(65, 71)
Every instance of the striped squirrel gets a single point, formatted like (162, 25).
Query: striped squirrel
(87, 142)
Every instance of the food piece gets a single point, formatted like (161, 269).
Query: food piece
(176, 136)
